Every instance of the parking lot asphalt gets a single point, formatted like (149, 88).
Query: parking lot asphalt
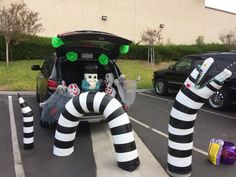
(150, 117)
(93, 156)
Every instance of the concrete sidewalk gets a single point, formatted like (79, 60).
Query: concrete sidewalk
(105, 156)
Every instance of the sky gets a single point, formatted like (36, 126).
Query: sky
(225, 5)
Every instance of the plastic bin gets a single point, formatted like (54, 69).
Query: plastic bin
(130, 88)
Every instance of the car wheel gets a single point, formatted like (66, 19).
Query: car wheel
(161, 87)
(219, 100)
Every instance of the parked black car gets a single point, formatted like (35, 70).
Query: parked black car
(88, 47)
(174, 77)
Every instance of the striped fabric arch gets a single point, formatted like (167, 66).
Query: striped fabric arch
(118, 122)
(188, 101)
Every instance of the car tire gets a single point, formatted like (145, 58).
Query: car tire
(160, 87)
(219, 100)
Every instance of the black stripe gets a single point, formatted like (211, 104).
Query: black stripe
(67, 115)
(77, 105)
(121, 129)
(218, 82)
(211, 87)
(179, 153)
(29, 135)
(177, 105)
(23, 105)
(89, 101)
(115, 114)
(120, 148)
(28, 124)
(28, 114)
(63, 144)
(28, 146)
(180, 170)
(129, 165)
(66, 130)
(192, 95)
(176, 123)
(191, 79)
(181, 138)
(106, 99)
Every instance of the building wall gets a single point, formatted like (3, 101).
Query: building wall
(184, 20)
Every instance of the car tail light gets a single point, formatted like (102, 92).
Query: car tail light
(52, 85)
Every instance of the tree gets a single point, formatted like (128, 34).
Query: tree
(17, 21)
(150, 36)
(228, 38)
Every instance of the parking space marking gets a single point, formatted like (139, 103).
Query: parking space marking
(165, 135)
(204, 110)
(19, 170)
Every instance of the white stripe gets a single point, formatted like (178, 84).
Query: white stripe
(83, 101)
(66, 123)
(64, 136)
(127, 156)
(182, 116)
(200, 92)
(123, 138)
(28, 140)
(62, 152)
(177, 131)
(28, 119)
(21, 100)
(120, 120)
(179, 162)
(71, 109)
(26, 109)
(180, 146)
(19, 170)
(205, 92)
(97, 100)
(194, 73)
(183, 99)
(28, 129)
(215, 85)
(111, 107)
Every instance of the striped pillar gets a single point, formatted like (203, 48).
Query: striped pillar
(188, 101)
(28, 120)
(118, 122)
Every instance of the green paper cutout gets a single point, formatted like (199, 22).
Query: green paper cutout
(71, 56)
(57, 42)
(103, 59)
(124, 49)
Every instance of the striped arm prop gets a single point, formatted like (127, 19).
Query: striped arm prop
(118, 122)
(188, 101)
(28, 121)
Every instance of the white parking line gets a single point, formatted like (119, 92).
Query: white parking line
(204, 110)
(19, 170)
(165, 135)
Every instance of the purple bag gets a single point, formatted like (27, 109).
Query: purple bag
(228, 154)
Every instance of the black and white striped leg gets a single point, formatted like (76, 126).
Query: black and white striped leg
(118, 121)
(188, 101)
(28, 121)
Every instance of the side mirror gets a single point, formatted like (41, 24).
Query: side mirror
(36, 67)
